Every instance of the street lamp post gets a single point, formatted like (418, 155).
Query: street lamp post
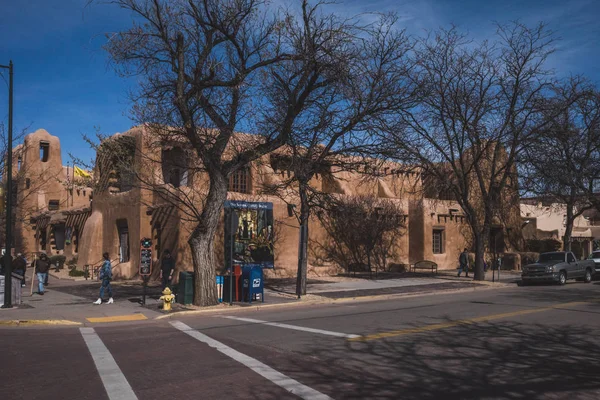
(9, 195)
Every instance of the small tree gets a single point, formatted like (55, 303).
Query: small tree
(362, 230)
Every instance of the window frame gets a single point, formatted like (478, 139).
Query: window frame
(442, 238)
(239, 181)
(53, 205)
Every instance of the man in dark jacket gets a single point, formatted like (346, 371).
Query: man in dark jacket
(167, 267)
(463, 261)
(19, 266)
(41, 269)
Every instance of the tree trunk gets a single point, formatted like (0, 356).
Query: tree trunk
(568, 228)
(303, 241)
(202, 243)
(479, 252)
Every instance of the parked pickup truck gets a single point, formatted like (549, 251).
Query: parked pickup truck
(595, 257)
(558, 266)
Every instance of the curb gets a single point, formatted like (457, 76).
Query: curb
(28, 322)
(324, 300)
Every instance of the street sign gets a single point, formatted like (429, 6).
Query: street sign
(145, 262)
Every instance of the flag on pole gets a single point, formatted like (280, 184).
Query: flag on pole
(80, 172)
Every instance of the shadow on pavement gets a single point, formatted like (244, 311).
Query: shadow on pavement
(572, 291)
(398, 290)
(506, 360)
(121, 291)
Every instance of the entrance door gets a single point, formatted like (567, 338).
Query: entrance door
(123, 232)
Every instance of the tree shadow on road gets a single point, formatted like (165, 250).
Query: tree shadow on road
(504, 360)
(572, 292)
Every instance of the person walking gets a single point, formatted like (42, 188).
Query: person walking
(41, 267)
(105, 275)
(167, 267)
(463, 261)
(19, 266)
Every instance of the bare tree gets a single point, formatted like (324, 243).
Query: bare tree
(362, 230)
(482, 103)
(561, 164)
(368, 81)
(210, 67)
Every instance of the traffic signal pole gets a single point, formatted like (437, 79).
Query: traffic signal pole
(145, 264)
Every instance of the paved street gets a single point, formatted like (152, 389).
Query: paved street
(510, 343)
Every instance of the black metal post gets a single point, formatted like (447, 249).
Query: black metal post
(494, 261)
(9, 195)
(145, 279)
(233, 226)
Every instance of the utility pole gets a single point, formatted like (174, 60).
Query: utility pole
(9, 195)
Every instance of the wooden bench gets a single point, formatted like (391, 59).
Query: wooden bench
(425, 265)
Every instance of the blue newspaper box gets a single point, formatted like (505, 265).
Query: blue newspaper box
(252, 283)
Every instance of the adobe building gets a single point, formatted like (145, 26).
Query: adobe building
(136, 181)
(546, 220)
(51, 204)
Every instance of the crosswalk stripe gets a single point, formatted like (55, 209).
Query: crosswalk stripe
(115, 383)
(295, 327)
(264, 370)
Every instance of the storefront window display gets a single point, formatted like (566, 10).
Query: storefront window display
(249, 233)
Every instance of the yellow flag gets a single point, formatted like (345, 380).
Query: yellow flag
(79, 172)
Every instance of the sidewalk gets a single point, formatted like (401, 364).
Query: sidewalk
(68, 302)
(389, 283)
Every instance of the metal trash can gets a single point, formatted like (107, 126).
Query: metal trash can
(185, 288)
(16, 289)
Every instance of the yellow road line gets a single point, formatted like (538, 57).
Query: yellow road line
(451, 324)
(119, 318)
(18, 322)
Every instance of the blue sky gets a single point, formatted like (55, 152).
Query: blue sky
(63, 82)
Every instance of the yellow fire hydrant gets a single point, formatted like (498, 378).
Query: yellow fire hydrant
(168, 298)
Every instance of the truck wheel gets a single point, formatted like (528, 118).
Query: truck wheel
(588, 276)
(562, 278)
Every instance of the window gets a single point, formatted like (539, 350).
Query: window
(239, 181)
(19, 163)
(27, 183)
(438, 241)
(44, 151)
(53, 205)
(174, 167)
(123, 232)
(570, 257)
(59, 236)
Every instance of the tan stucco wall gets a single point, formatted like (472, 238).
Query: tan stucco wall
(148, 215)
